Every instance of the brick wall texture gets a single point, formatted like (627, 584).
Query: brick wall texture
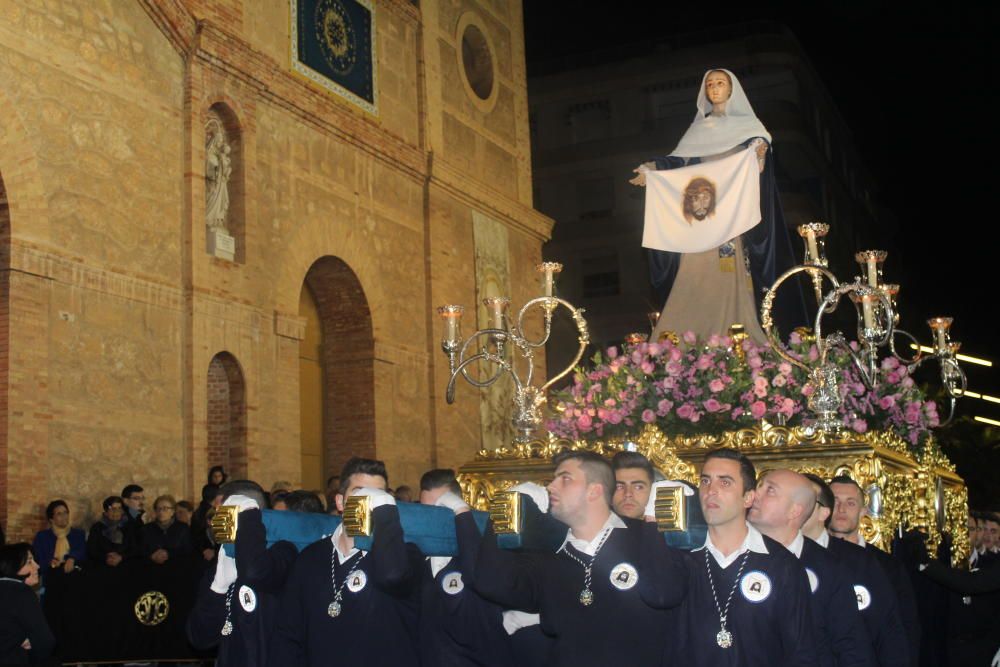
(128, 353)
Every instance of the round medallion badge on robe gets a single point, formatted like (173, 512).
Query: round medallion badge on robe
(863, 596)
(452, 583)
(624, 576)
(813, 580)
(755, 586)
(248, 599)
(357, 581)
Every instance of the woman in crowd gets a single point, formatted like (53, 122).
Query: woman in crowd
(25, 637)
(217, 476)
(165, 538)
(59, 546)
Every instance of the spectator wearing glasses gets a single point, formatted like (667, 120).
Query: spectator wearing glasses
(165, 538)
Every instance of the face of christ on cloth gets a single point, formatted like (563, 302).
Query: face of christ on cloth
(699, 199)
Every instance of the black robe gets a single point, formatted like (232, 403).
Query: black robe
(261, 575)
(774, 631)
(377, 626)
(458, 627)
(877, 602)
(841, 637)
(628, 623)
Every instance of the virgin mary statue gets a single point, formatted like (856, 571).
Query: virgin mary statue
(707, 292)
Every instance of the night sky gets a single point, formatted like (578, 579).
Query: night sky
(916, 86)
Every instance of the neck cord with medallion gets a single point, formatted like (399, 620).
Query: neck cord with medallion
(227, 627)
(724, 638)
(335, 607)
(587, 595)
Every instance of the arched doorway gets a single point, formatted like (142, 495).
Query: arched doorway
(4, 342)
(336, 372)
(227, 416)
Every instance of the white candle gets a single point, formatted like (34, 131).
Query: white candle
(941, 340)
(873, 272)
(547, 282)
(813, 250)
(497, 306)
(866, 309)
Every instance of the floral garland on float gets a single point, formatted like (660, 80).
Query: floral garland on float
(692, 386)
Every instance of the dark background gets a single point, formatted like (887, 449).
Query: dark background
(916, 84)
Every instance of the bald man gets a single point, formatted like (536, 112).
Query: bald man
(783, 502)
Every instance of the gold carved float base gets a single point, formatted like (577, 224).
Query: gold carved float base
(902, 490)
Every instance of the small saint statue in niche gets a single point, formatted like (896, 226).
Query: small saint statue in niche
(218, 169)
(708, 291)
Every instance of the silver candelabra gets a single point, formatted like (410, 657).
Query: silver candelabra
(505, 346)
(878, 319)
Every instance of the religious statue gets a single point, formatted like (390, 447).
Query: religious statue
(218, 169)
(708, 291)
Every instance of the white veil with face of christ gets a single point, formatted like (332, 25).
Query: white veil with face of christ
(712, 135)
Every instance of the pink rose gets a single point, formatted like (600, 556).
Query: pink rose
(648, 416)
(886, 402)
(712, 405)
(760, 387)
(675, 354)
(647, 367)
(704, 362)
(690, 338)
(663, 407)
(614, 417)
(785, 368)
(716, 385)
(859, 425)
(755, 361)
(779, 380)
(685, 411)
(758, 409)
(612, 352)
(714, 340)
(737, 413)
(584, 422)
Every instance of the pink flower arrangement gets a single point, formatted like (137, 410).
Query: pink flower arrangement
(699, 387)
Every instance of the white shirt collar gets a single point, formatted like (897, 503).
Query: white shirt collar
(823, 540)
(335, 538)
(796, 546)
(438, 563)
(589, 548)
(754, 541)
(861, 540)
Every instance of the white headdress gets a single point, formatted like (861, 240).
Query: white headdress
(711, 135)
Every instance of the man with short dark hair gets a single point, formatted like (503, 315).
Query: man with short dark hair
(876, 601)
(748, 597)
(606, 594)
(990, 539)
(633, 481)
(237, 604)
(352, 606)
(135, 506)
(458, 628)
(783, 502)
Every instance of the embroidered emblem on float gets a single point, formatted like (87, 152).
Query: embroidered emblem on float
(248, 599)
(357, 582)
(452, 583)
(813, 580)
(755, 586)
(152, 608)
(624, 576)
(863, 596)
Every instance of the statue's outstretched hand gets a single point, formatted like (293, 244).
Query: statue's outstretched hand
(761, 147)
(641, 170)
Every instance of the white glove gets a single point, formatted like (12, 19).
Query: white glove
(225, 573)
(514, 620)
(452, 501)
(536, 492)
(243, 502)
(666, 483)
(376, 497)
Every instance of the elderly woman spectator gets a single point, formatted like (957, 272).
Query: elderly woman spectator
(25, 637)
(110, 540)
(165, 537)
(59, 546)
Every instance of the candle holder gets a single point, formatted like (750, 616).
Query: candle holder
(877, 318)
(636, 338)
(508, 351)
(653, 316)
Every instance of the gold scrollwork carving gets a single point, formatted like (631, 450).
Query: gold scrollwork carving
(152, 608)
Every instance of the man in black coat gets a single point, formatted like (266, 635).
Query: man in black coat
(346, 606)
(237, 603)
(606, 595)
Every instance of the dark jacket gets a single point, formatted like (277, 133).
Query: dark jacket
(21, 618)
(100, 544)
(44, 547)
(176, 539)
